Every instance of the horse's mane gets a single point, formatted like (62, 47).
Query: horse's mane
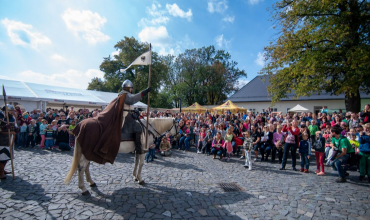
(160, 124)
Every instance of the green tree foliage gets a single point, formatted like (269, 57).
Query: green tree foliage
(324, 46)
(203, 75)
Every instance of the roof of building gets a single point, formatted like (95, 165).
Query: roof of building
(18, 90)
(256, 91)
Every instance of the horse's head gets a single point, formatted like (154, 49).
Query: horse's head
(174, 130)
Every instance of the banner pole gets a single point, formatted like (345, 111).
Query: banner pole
(147, 111)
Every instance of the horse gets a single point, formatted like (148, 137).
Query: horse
(157, 126)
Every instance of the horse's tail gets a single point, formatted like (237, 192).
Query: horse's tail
(76, 160)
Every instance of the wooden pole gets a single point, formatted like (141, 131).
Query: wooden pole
(147, 111)
(10, 141)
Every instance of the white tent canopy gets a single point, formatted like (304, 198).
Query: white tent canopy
(37, 96)
(298, 108)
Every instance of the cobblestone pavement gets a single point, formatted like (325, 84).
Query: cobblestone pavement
(183, 186)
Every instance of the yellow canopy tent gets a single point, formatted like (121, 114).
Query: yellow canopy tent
(229, 105)
(194, 108)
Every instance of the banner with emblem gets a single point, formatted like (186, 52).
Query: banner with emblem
(143, 59)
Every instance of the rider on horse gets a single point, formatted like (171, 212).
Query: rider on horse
(131, 127)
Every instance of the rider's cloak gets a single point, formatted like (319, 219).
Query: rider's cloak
(100, 137)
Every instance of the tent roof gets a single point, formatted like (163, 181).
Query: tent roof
(195, 106)
(228, 105)
(18, 90)
(298, 108)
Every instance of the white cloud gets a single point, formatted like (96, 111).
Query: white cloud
(175, 11)
(115, 53)
(157, 16)
(158, 36)
(71, 78)
(86, 23)
(221, 42)
(253, 2)
(24, 35)
(217, 6)
(5, 77)
(242, 82)
(58, 57)
(260, 61)
(229, 19)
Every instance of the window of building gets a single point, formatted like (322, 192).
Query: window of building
(273, 109)
(253, 110)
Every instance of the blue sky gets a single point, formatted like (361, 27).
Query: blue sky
(63, 42)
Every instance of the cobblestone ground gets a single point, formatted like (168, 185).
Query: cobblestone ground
(183, 186)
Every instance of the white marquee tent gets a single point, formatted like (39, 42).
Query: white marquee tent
(37, 96)
(298, 108)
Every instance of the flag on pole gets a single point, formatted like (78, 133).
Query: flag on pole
(143, 59)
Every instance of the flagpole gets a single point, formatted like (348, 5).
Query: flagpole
(147, 111)
(10, 141)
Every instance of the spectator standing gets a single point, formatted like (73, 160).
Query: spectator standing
(313, 128)
(22, 136)
(291, 143)
(278, 138)
(32, 133)
(305, 151)
(365, 114)
(364, 151)
(319, 146)
(71, 135)
(49, 135)
(43, 127)
(248, 145)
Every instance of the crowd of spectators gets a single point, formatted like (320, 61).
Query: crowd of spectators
(342, 139)
(50, 129)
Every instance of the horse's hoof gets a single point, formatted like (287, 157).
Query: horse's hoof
(86, 193)
(142, 182)
(136, 180)
(93, 185)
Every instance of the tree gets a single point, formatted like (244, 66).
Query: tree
(203, 75)
(130, 49)
(323, 46)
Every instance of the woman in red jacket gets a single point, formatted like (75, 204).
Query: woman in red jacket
(291, 142)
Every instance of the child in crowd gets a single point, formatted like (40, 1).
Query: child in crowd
(355, 144)
(364, 151)
(71, 135)
(313, 128)
(227, 145)
(43, 128)
(207, 142)
(319, 146)
(327, 135)
(196, 132)
(54, 126)
(165, 146)
(32, 132)
(151, 153)
(202, 135)
(248, 145)
(49, 137)
(22, 136)
(305, 151)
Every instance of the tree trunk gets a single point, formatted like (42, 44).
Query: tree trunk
(353, 101)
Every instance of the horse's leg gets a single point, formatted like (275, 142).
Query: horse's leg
(88, 177)
(141, 163)
(81, 170)
(135, 167)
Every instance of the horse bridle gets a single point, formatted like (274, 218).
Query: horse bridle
(159, 134)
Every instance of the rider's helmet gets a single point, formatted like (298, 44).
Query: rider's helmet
(127, 85)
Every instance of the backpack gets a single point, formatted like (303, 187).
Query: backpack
(317, 145)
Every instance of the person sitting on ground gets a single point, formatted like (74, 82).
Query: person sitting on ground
(217, 146)
(345, 148)
(63, 138)
(165, 146)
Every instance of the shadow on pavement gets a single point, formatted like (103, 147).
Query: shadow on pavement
(154, 201)
(25, 191)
